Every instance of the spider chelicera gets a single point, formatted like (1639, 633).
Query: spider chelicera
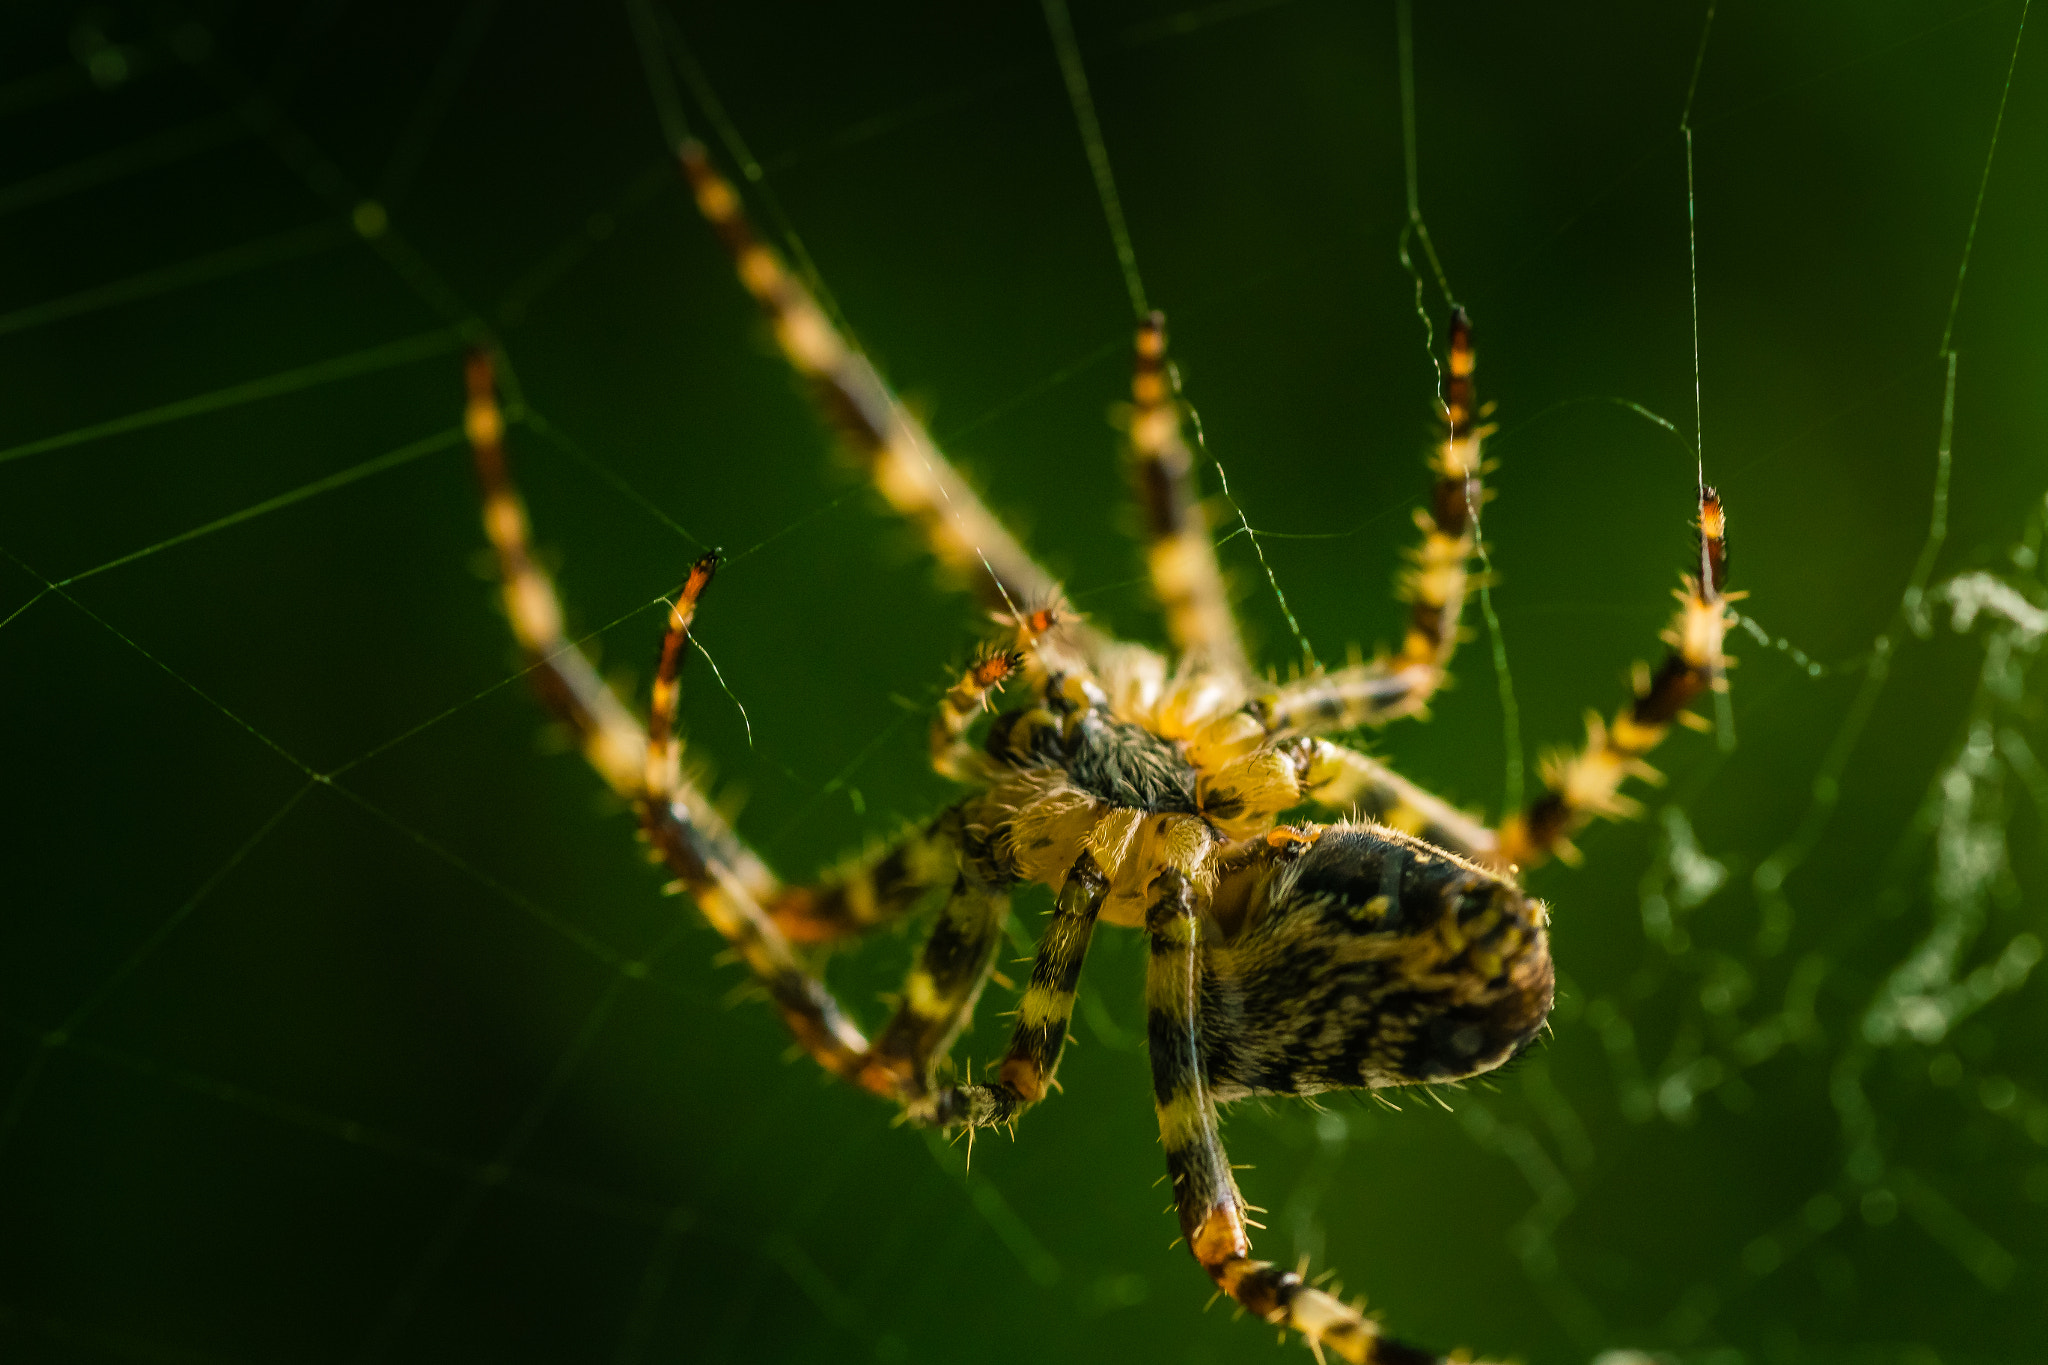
(1395, 947)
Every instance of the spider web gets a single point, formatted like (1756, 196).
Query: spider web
(340, 1022)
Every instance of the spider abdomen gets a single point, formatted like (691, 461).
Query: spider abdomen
(1370, 958)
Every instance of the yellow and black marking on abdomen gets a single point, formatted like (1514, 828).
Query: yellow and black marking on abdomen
(1366, 957)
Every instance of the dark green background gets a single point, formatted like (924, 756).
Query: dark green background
(300, 1066)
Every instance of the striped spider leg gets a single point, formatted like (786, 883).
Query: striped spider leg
(1180, 553)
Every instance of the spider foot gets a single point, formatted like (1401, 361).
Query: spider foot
(966, 1106)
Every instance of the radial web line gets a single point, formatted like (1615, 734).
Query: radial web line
(654, 1281)
(1308, 651)
(1692, 249)
(531, 417)
(580, 938)
(624, 970)
(63, 1034)
(259, 109)
(207, 268)
(1075, 74)
(657, 603)
(685, 60)
(750, 168)
(660, 80)
(409, 453)
(369, 360)
(1955, 300)
(159, 149)
(1404, 26)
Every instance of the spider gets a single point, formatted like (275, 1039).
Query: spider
(1393, 947)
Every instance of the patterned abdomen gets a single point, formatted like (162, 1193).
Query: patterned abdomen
(1370, 958)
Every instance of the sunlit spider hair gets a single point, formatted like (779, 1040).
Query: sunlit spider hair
(1394, 947)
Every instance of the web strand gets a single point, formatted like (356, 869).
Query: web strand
(1075, 74)
(1955, 301)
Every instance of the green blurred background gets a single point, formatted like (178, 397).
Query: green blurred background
(342, 1020)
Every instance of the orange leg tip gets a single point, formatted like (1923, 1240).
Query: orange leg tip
(700, 577)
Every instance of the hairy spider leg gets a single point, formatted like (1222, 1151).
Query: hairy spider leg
(898, 453)
(941, 989)
(872, 891)
(1180, 554)
(1580, 785)
(1435, 583)
(1205, 1193)
(728, 882)
(1027, 1069)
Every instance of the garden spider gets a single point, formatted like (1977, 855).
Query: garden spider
(1392, 948)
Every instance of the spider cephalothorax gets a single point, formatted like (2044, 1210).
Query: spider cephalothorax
(1395, 947)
